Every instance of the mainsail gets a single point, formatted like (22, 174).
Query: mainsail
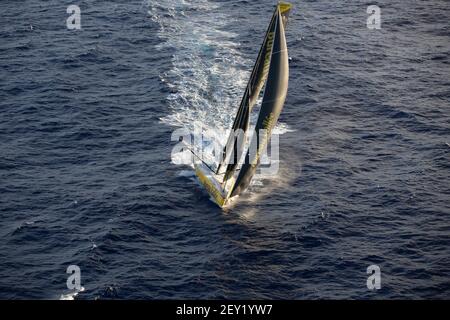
(271, 106)
(272, 70)
(235, 143)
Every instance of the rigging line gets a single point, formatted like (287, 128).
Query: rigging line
(208, 166)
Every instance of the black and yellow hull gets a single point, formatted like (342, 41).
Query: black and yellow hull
(212, 186)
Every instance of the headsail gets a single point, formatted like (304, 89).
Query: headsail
(272, 104)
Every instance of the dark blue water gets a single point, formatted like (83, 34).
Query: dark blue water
(86, 176)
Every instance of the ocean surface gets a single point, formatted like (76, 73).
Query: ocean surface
(87, 177)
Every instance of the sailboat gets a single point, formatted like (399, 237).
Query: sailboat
(270, 71)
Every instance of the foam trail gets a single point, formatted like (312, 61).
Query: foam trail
(208, 73)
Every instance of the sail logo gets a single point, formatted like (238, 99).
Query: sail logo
(269, 121)
(264, 136)
(268, 55)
